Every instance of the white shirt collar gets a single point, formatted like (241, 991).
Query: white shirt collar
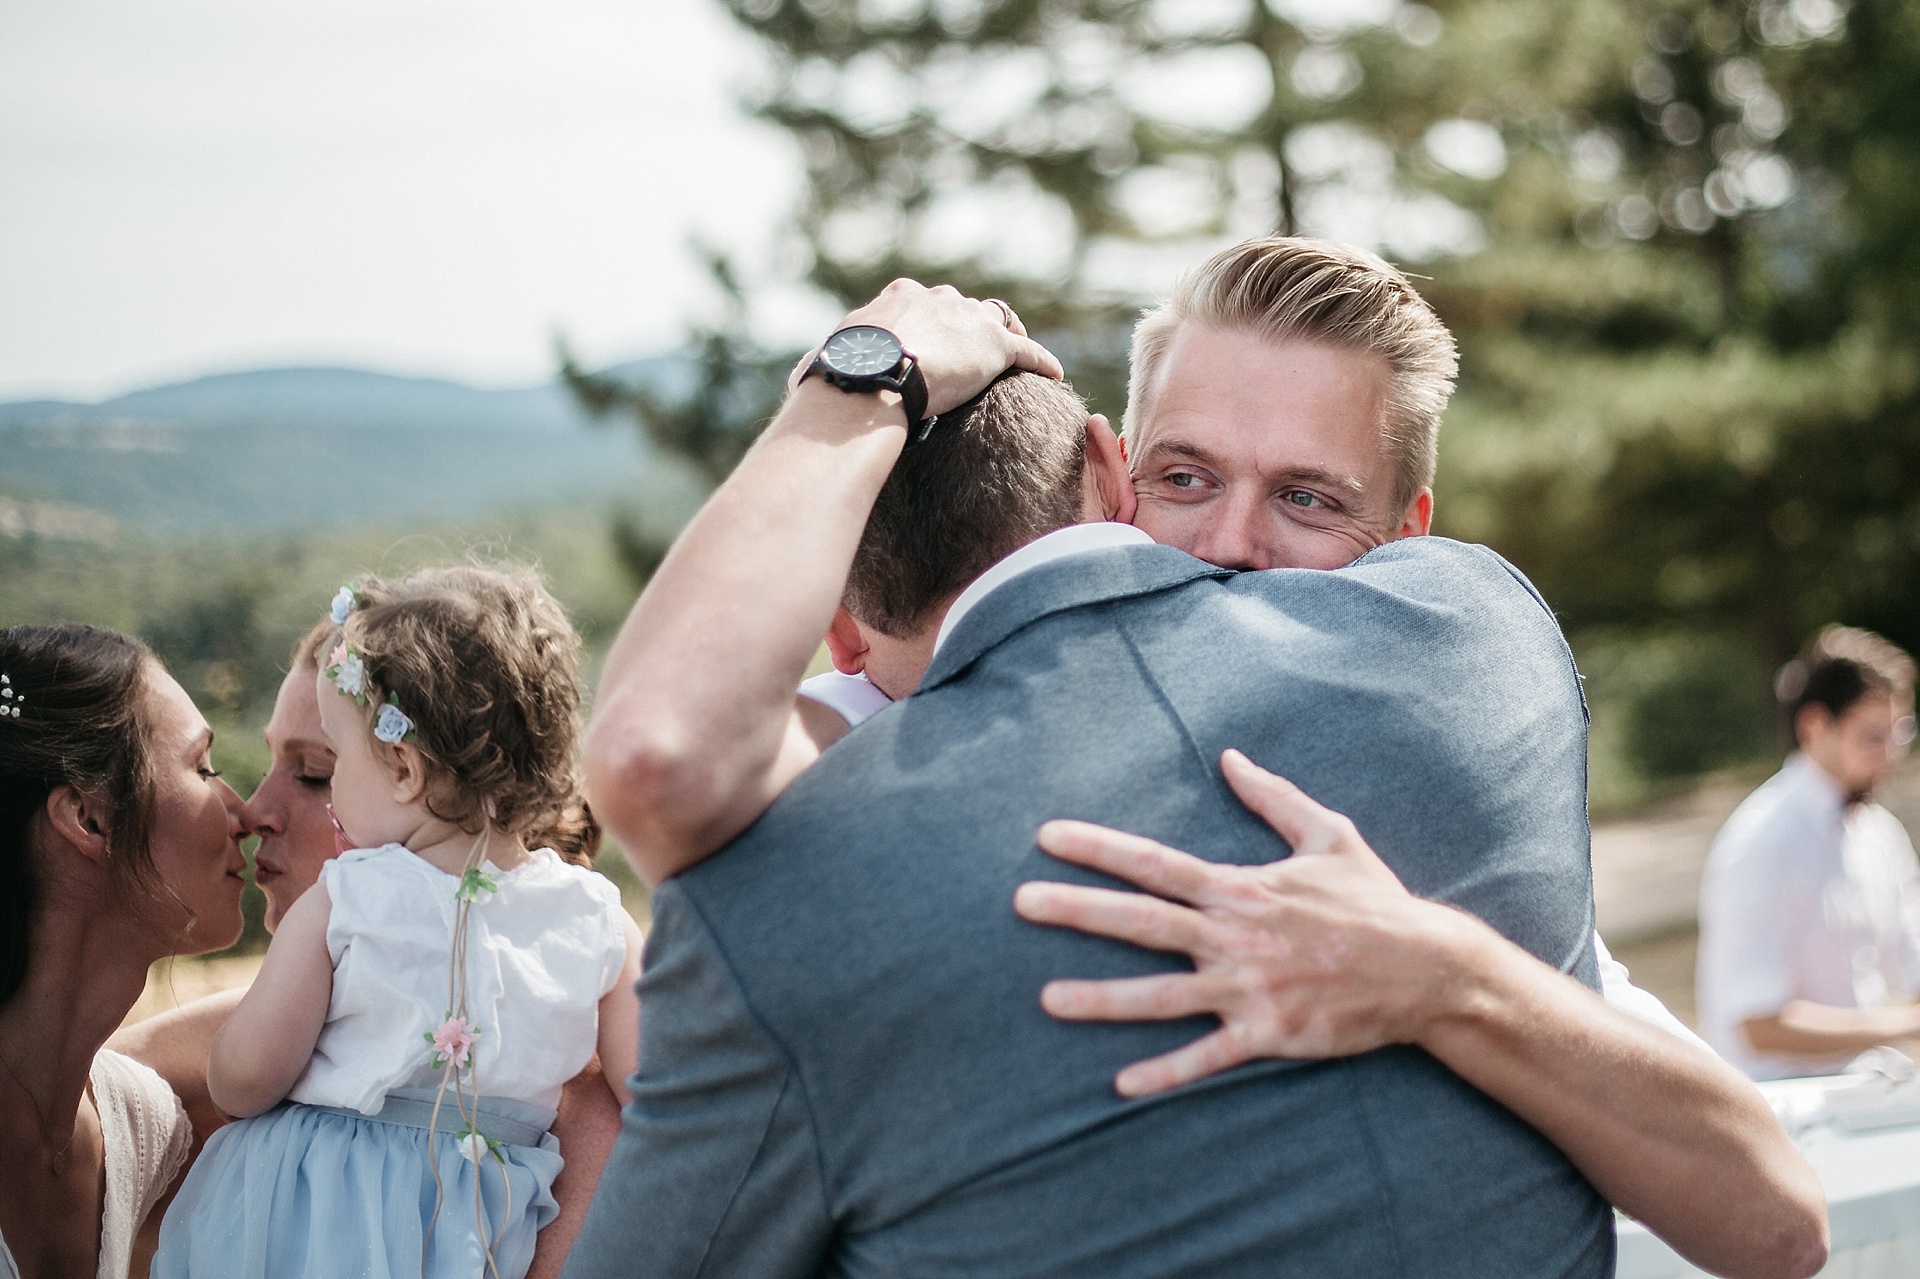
(1075, 539)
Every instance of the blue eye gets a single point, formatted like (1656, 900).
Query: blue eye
(1299, 498)
(1180, 479)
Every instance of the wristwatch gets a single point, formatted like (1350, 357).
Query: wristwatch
(864, 357)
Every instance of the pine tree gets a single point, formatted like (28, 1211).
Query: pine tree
(1688, 405)
(706, 426)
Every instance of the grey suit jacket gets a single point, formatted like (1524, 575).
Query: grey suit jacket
(845, 1069)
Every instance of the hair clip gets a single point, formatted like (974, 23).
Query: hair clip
(345, 600)
(392, 725)
(348, 672)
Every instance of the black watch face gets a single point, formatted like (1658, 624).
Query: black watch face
(861, 351)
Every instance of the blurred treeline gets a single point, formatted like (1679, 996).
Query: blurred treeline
(1677, 242)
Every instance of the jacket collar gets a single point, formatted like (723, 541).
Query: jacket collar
(1088, 568)
(1074, 539)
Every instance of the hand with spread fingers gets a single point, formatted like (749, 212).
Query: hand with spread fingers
(1324, 954)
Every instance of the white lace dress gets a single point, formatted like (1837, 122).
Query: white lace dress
(146, 1134)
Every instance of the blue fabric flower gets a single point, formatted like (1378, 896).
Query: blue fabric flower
(343, 604)
(392, 726)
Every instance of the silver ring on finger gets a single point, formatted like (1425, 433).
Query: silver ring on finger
(1006, 312)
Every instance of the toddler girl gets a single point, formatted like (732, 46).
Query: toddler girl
(400, 1055)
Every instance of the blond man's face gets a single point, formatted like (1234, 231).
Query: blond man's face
(1254, 454)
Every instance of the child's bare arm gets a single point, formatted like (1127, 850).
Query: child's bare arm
(620, 1021)
(260, 1053)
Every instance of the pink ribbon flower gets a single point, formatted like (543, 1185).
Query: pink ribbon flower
(453, 1040)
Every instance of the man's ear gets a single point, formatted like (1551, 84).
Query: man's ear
(1418, 517)
(846, 644)
(1109, 487)
(80, 819)
(1813, 722)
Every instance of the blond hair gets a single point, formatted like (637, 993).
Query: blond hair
(1286, 288)
(486, 665)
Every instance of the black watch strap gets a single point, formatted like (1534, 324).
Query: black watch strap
(909, 383)
(913, 398)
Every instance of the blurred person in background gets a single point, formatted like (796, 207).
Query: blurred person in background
(1810, 902)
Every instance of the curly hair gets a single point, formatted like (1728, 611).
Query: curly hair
(82, 722)
(486, 665)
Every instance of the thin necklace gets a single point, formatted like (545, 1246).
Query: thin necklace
(60, 1155)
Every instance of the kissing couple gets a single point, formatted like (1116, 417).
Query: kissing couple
(903, 1011)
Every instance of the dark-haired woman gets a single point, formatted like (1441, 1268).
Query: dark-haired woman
(119, 844)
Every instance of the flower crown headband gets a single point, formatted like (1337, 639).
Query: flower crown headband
(348, 671)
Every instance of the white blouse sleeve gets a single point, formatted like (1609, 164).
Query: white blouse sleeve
(146, 1134)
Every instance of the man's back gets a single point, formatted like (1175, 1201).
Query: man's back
(845, 1065)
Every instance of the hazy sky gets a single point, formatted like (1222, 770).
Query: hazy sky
(428, 186)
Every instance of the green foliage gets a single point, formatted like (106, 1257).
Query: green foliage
(706, 428)
(1690, 404)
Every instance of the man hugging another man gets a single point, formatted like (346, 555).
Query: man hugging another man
(847, 1067)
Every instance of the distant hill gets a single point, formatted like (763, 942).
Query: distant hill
(287, 449)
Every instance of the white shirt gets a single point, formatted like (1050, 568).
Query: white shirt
(1804, 897)
(541, 951)
(856, 705)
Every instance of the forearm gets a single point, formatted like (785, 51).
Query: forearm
(256, 1061)
(586, 1127)
(1667, 1133)
(1823, 1030)
(696, 704)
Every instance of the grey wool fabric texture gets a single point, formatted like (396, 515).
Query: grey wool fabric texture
(845, 1067)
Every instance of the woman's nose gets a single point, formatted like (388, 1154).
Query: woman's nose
(236, 810)
(260, 815)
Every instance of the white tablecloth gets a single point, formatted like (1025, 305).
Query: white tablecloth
(1872, 1181)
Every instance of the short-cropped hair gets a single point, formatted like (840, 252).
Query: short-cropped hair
(996, 473)
(1285, 288)
(1838, 668)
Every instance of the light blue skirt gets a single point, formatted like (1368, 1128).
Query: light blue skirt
(312, 1191)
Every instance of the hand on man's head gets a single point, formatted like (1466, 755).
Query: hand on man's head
(962, 344)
